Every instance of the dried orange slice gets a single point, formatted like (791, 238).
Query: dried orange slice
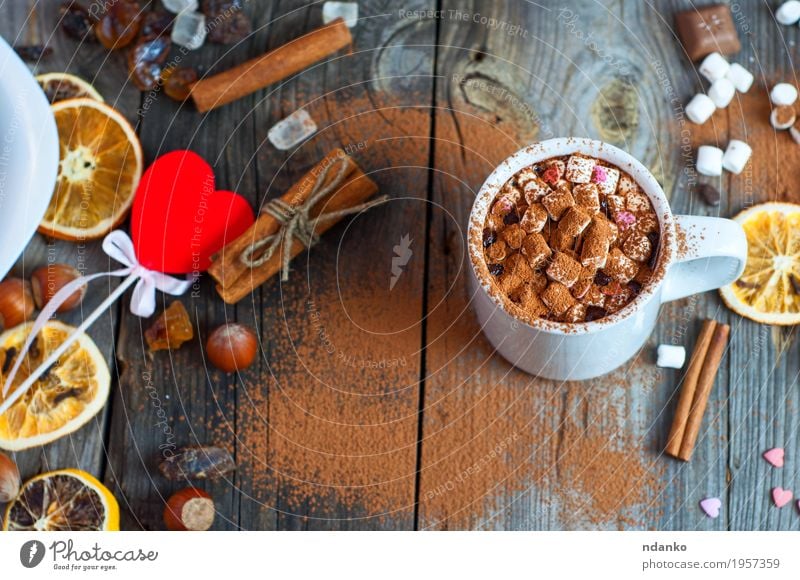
(64, 399)
(100, 168)
(768, 290)
(64, 500)
(61, 86)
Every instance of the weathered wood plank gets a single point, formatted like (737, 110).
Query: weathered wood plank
(37, 23)
(331, 426)
(563, 447)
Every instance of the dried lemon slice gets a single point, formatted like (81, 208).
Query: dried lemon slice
(60, 86)
(99, 170)
(768, 290)
(64, 500)
(66, 396)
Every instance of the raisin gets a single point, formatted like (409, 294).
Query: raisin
(119, 24)
(634, 287)
(496, 269)
(10, 355)
(655, 241)
(197, 463)
(511, 217)
(594, 313)
(489, 237)
(601, 278)
(146, 59)
(77, 22)
(178, 82)
(230, 24)
(33, 53)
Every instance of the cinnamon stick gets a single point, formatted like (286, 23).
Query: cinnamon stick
(269, 68)
(689, 388)
(704, 384)
(235, 280)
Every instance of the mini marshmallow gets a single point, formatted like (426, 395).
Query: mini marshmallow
(700, 109)
(782, 117)
(788, 13)
(721, 92)
(741, 78)
(671, 357)
(714, 67)
(783, 94)
(709, 160)
(795, 133)
(736, 156)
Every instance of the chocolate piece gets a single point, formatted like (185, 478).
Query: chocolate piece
(594, 313)
(706, 30)
(601, 278)
(496, 269)
(511, 217)
(710, 193)
(489, 237)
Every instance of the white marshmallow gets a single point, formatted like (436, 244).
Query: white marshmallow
(714, 66)
(788, 13)
(736, 156)
(787, 113)
(671, 357)
(709, 160)
(741, 78)
(700, 109)
(783, 94)
(795, 133)
(721, 92)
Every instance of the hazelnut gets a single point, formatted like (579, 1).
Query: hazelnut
(48, 280)
(9, 479)
(232, 347)
(190, 509)
(16, 302)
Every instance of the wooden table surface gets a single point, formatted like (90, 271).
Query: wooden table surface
(373, 407)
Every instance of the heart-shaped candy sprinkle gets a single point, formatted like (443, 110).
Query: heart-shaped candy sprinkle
(711, 506)
(774, 456)
(781, 496)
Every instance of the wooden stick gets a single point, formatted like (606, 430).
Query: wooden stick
(68, 342)
(704, 384)
(235, 280)
(269, 68)
(689, 387)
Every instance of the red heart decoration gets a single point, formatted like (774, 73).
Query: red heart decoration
(179, 218)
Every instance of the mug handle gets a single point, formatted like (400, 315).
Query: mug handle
(714, 255)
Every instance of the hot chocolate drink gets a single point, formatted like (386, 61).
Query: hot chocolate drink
(570, 239)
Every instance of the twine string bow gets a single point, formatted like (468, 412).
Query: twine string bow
(296, 222)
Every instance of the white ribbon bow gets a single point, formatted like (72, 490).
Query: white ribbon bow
(118, 246)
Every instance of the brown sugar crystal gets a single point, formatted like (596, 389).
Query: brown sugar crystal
(557, 202)
(558, 298)
(564, 269)
(535, 249)
(587, 195)
(513, 236)
(620, 267)
(534, 218)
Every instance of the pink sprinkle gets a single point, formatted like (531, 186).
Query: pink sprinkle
(625, 219)
(599, 175)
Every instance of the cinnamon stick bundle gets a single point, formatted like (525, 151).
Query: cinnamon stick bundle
(269, 68)
(235, 279)
(696, 389)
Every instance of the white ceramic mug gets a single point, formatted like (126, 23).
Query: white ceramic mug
(28, 156)
(696, 254)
